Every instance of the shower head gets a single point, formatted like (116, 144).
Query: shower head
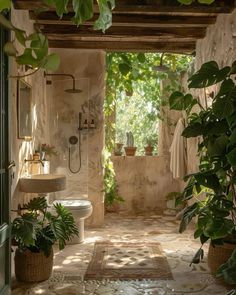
(70, 90)
(73, 90)
(161, 68)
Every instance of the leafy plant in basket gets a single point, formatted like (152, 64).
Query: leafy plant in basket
(35, 232)
(212, 188)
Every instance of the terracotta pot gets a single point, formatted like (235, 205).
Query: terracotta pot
(218, 255)
(33, 267)
(148, 150)
(130, 150)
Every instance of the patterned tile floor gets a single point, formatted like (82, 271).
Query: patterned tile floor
(70, 264)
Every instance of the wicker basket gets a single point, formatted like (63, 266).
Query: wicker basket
(33, 267)
(218, 255)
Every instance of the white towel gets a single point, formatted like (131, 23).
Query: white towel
(178, 154)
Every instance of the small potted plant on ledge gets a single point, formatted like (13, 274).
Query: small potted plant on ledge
(130, 149)
(35, 232)
(118, 149)
(149, 147)
(212, 188)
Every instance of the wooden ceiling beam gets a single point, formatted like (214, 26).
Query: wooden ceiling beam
(123, 32)
(174, 47)
(134, 7)
(50, 17)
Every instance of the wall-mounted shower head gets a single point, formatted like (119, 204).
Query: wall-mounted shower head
(161, 68)
(70, 90)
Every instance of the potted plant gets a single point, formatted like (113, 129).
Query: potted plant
(212, 188)
(34, 232)
(149, 147)
(118, 149)
(47, 151)
(130, 150)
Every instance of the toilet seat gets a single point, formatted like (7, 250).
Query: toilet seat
(74, 204)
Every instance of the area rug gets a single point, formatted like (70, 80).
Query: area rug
(127, 261)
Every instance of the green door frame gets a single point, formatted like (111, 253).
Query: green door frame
(5, 250)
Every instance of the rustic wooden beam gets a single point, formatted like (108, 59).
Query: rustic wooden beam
(174, 47)
(73, 32)
(50, 17)
(134, 7)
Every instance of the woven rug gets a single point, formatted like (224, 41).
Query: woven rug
(127, 261)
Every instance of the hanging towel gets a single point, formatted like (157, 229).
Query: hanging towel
(178, 154)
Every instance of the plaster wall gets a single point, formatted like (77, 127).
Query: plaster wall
(88, 67)
(144, 182)
(21, 149)
(219, 45)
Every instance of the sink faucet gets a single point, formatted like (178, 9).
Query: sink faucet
(35, 161)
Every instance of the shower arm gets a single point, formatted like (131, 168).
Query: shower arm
(61, 75)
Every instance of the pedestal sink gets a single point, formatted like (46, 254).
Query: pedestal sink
(43, 183)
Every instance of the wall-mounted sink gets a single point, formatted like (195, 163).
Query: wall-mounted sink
(43, 183)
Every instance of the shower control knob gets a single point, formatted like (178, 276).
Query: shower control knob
(73, 140)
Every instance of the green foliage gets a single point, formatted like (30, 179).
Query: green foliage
(35, 46)
(5, 4)
(35, 53)
(216, 124)
(110, 185)
(133, 96)
(38, 229)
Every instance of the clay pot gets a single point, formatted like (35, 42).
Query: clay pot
(33, 267)
(148, 150)
(218, 255)
(118, 149)
(130, 150)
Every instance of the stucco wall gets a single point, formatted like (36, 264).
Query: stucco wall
(88, 67)
(219, 45)
(21, 149)
(144, 182)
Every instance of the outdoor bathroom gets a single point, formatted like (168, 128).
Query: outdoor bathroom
(96, 218)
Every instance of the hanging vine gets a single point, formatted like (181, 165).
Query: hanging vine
(35, 46)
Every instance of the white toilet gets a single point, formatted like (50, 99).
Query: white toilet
(80, 210)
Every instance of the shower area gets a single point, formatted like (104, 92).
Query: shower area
(75, 94)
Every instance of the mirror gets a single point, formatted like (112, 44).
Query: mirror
(24, 110)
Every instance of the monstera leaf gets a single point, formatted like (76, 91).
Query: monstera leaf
(209, 74)
(178, 101)
(223, 103)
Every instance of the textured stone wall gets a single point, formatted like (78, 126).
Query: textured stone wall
(21, 149)
(88, 67)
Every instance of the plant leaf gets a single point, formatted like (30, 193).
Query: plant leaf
(232, 157)
(5, 4)
(83, 11)
(105, 17)
(209, 74)
(223, 105)
(52, 62)
(197, 257)
(124, 68)
(10, 49)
